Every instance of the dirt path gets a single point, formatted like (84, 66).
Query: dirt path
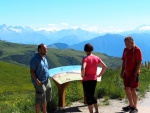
(115, 106)
(144, 105)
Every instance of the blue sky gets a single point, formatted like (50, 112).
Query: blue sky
(92, 15)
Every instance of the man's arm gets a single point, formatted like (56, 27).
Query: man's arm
(139, 62)
(34, 77)
(122, 69)
(138, 65)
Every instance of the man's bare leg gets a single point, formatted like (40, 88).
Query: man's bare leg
(90, 108)
(37, 107)
(129, 96)
(96, 108)
(134, 97)
(44, 107)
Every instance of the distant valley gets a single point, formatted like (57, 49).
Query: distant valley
(21, 54)
(112, 44)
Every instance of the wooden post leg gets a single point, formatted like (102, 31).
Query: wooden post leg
(61, 93)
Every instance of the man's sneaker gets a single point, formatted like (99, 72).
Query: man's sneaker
(127, 108)
(133, 110)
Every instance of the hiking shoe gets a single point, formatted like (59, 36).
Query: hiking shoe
(133, 110)
(127, 108)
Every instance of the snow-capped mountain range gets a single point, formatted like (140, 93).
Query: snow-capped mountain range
(108, 43)
(29, 35)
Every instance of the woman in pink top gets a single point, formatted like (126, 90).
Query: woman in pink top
(89, 75)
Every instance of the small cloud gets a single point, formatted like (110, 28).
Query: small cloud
(75, 27)
(52, 25)
(65, 24)
(84, 25)
(144, 27)
(90, 28)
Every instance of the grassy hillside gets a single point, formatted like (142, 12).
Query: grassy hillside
(21, 54)
(14, 78)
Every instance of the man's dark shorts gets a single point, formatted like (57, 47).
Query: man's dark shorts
(43, 92)
(131, 81)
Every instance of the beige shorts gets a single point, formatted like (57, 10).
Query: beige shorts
(43, 92)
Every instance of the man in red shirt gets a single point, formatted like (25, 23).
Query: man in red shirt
(132, 58)
(89, 75)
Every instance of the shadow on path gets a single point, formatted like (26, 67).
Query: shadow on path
(70, 109)
(122, 111)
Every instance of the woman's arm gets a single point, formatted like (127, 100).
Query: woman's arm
(103, 66)
(83, 69)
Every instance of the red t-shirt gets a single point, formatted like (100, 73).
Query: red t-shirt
(92, 62)
(131, 57)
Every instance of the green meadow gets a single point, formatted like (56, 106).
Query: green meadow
(17, 92)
